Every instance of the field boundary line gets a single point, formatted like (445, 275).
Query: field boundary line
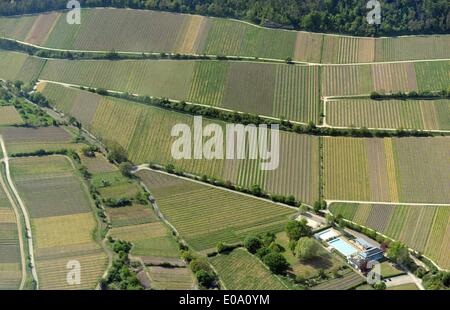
(229, 57)
(330, 201)
(24, 212)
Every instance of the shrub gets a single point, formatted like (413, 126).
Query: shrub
(276, 262)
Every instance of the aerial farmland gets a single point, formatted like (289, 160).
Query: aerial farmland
(223, 147)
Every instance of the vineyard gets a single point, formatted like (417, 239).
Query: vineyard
(380, 169)
(18, 66)
(163, 278)
(411, 48)
(61, 219)
(297, 93)
(205, 216)
(432, 75)
(145, 132)
(239, 270)
(413, 114)
(10, 268)
(423, 228)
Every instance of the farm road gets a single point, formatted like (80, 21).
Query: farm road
(231, 57)
(23, 209)
(19, 230)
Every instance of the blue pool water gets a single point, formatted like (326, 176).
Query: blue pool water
(343, 247)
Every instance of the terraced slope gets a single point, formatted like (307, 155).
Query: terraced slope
(423, 228)
(257, 88)
(153, 31)
(204, 215)
(61, 219)
(145, 132)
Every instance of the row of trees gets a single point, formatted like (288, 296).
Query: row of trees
(342, 16)
(246, 118)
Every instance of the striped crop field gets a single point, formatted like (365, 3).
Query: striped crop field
(380, 169)
(149, 240)
(145, 132)
(257, 88)
(9, 116)
(407, 114)
(340, 49)
(156, 31)
(204, 215)
(346, 80)
(164, 278)
(166, 78)
(412, 48)
(239, 270)
(348, 281)
(307, 47)
(296, 94)
(228, 37)
(394, 77)
(208, 85)
(10, 260)
(62, 223)
(433, 75)
(27, 140)
(423, 228)
(18, 66)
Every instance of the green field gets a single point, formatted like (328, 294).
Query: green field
(407, 114)
(380, 169)
(62, 223)
(150, 239)
(239, 270)
(423, 228)
(18, 66)
(204, 215)
(153, 31)
(145, 132)
(432, 75)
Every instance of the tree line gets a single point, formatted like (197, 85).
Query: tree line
(336, 16)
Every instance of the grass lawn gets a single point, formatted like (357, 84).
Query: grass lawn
(404, 287)
(388, 270)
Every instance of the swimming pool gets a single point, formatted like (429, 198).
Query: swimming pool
(343, 247)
